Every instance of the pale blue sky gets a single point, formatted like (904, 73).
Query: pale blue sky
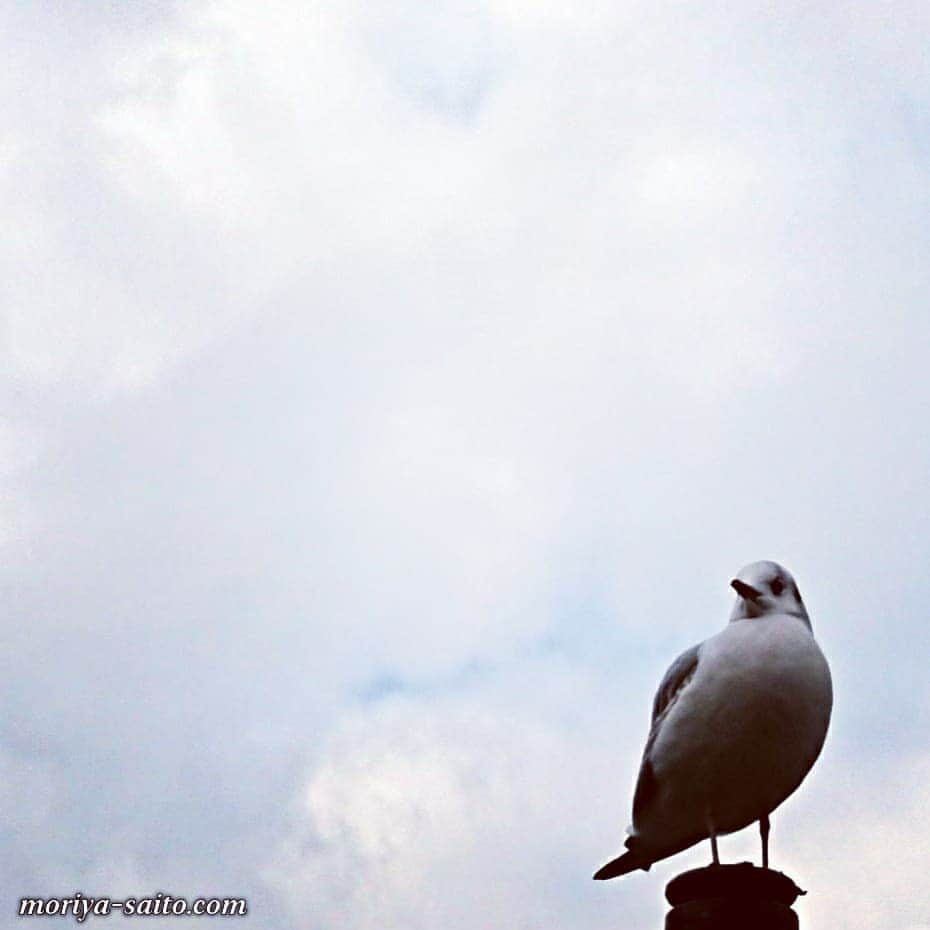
(391, 395)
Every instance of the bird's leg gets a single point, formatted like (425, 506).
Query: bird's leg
(712, 835)
(764, 827)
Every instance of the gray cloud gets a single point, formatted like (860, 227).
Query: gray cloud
(386, 406)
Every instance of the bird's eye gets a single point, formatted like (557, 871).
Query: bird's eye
(777, 586)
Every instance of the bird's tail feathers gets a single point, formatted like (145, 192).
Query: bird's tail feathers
(629, 862)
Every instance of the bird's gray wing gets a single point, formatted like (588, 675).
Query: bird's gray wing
(678, 675)
(673, 683)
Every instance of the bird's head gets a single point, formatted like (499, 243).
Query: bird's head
(766, 588)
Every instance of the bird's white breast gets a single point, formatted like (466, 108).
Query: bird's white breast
(747, 728)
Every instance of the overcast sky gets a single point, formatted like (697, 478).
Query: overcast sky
(390, 391)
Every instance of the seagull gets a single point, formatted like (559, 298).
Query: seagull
(737, 723)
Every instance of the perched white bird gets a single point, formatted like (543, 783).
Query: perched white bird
(736, 725)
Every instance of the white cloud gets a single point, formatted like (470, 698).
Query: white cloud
(422, 812)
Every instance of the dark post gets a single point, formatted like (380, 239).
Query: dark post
(731, 897)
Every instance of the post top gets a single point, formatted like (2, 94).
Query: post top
(742, 881)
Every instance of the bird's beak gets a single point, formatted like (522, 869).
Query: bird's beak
(745, 591)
